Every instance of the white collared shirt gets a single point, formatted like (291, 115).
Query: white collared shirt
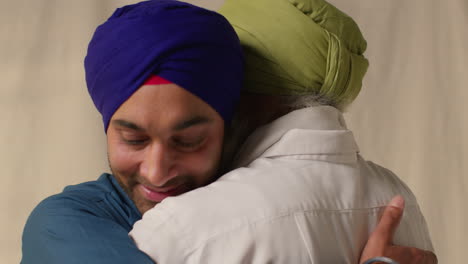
(302, 194)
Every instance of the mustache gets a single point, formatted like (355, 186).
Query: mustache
(136, 178)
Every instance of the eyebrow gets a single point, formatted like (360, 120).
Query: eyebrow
(127, 124)
(198, 120)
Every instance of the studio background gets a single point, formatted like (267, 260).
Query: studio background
(411, 115)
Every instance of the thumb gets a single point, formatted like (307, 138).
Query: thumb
(390, 219)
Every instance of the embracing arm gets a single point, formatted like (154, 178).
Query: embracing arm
(380, 243)
(62, 231)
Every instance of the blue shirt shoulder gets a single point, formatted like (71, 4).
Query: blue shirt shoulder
(86, 223)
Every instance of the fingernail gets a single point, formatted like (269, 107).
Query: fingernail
(397, 201)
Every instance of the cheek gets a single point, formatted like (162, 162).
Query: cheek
(202, 164)
(122, 161)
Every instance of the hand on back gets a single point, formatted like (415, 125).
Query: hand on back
(380, 243)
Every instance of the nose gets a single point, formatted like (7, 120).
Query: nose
(157, 166)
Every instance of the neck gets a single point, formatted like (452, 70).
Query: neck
(254, 110)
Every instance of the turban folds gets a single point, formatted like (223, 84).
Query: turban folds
(295, 47)
(192, 47)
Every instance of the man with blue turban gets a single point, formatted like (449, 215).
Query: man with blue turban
(166, 77)
(163, 140)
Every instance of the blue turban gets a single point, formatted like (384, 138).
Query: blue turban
(192, 47)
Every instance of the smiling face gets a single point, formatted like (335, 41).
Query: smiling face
(163, 141)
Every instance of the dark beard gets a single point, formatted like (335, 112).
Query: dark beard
(235, 136)
(141, 204)
(129, 183)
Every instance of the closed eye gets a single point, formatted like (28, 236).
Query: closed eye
(188, 144)
(134, 142)
(133, 139)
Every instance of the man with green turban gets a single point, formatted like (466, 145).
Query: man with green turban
(300, 192)
(299, 48)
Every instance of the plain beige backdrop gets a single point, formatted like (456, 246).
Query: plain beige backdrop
(411, 115)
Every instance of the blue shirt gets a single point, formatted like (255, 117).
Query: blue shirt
(86, 223)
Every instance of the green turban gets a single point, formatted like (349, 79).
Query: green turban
(295, 47)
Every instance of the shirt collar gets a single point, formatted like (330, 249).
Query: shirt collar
(313, 130)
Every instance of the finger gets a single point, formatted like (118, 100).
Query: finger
(430, 258)
(390, 219)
